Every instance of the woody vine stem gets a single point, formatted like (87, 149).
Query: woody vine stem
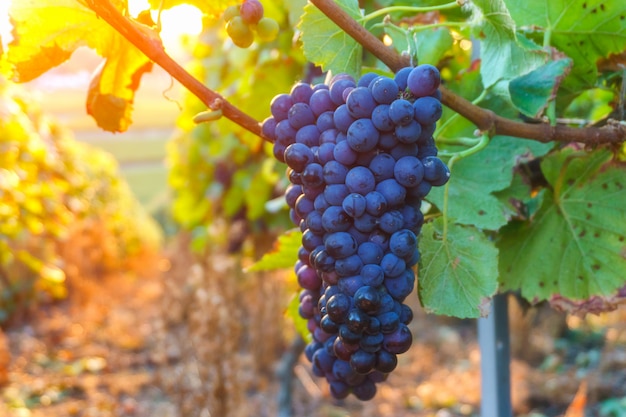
(486, 120)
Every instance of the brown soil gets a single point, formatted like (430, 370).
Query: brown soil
(115, 348)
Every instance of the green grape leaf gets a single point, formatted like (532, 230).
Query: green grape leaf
(584, 30)
(532, 92)
(326, 45)
(283, 256)
(574, 245)
(432, 45)
(47, 32)
(458, 276)
(504, 55)
(475, 178)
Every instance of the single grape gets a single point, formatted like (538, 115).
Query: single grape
(267, 29)
(300, 114)
(340, 245)
(427, 110)
(408, 171)
(381, 119)
(408, 133)
(350, 265)
(230, 12)
(366, 79)
(360, 103)
(334, 219)
(382, 166)
(402, 243)
(392, 191)
(342, 118)
(435, 171)
(239, 32)
(298, 156)
(423, 80)
(336, 193)
(360, 180)
(370, 253)
(251, 11)
(320, 102)
(384, 90)
(280, 105)
(398, 341)
(335, 172)
(268, 128)
(354, 204)
(308, 135)
(401, 112)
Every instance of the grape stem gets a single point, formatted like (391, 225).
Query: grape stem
(482, 143)
(485, 120)
(150, 45)
(386, 10)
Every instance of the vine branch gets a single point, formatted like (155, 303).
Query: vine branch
(152, 47)
(485, 120)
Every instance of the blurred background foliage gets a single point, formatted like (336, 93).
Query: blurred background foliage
(63, 207)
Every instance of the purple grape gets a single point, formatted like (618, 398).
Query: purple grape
(427, 110)
(423, 80)
(363, 135)
(360, 103)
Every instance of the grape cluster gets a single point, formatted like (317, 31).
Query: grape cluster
(361, 158)
(246, 19)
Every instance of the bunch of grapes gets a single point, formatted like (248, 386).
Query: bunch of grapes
(245, 20)
(361, 158)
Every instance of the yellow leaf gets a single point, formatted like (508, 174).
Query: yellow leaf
(47, 32)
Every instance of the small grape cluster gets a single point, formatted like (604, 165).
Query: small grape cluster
(246, 19)
(361, 157)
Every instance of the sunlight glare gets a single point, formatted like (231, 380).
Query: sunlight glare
(179, 21)
(5, 26)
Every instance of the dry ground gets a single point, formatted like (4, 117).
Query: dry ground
(123, 345)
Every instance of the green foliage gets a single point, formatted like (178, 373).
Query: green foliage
(457, 273)
(326, 45)
(219, 171)
(532, 92)
(575, 244)
(504, 55)
(476, 178)
(581, 30)
(52, 187)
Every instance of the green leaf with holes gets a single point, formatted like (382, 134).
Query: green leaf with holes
(326, 45)
(583, 30)
(459, 275)
(284, 254)
(575, 245)
(475, 178)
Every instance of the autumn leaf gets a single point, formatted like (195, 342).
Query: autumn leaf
(47, 32)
